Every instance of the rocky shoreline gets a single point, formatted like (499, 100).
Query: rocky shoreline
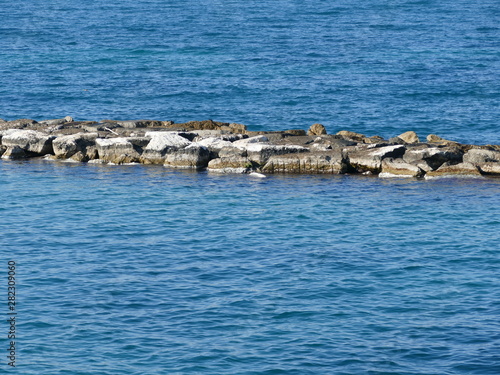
(231, 148)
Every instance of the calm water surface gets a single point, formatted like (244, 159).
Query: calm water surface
(148, 270)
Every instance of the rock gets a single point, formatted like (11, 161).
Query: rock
(490, 168)
(434, 156)
(351, 136)
(19, 124)
(375, 140)
(58, 121)
(214, 144)
(454, 170)
(479, 156)
(433, 138)
(202, 125)
(2, 149)
(316, 129)
(161, 143)
(68, 145)
(29, 140)
(117, 150)
(409, 137)
(399, 168)
(243, 143)
(237, 128)
(15, 152)
(369, 159)
(260, 152)
(140, 124)
(329, 162)
(296, 132)
(232, 164)
(396, 141)
(193, 156)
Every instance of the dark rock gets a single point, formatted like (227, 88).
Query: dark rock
(15, 152)
(296, 132)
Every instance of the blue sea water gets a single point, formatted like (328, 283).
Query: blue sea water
(148, 270)
(376, 67)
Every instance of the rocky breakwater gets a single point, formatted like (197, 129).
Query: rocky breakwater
(231, 148)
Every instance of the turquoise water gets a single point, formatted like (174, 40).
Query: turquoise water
(148, 270)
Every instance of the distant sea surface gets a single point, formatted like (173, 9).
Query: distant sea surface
(376, 67)
(139, 269)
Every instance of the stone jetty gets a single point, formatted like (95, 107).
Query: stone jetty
(231, 148)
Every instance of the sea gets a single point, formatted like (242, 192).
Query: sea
(148, 270)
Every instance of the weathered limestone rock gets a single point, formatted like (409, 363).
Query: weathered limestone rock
(396, 141)
(316, 129)
(260, 152)
(434, 156)
(15, 152)
(479, 156)
(192, 157)
(351, 136)
(140, 124)
(117, 150)
(490, 168)
(399, 168)
(409, 137)
(214, 144)
(29, 140)
(454, 170)
(327, 162)
(433, 138)
(19, 124)
(58, 121)
(161, 143)
(230, 164)
(243, 143)
(237, 128)
(296, 132)
(375, 140)
(68, 145)
(202, 125)
(369, 159)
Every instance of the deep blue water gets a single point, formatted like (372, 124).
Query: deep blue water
(147, 270)
(377, 67)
